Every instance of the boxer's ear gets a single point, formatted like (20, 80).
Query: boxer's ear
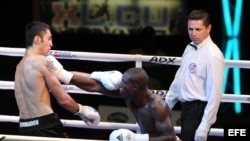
(37, 39)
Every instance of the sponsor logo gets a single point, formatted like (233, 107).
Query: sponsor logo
(29, 123)
(192, 67)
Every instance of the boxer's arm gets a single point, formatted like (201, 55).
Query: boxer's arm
(163, 122)
(56, 68)
(92, 85)
(56, 89)
(110, 79)
(88, 114)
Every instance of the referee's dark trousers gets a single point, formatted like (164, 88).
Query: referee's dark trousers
(191, 115)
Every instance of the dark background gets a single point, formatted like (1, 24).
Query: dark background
(16, 14)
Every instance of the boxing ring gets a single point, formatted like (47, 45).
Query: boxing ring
(110, 57)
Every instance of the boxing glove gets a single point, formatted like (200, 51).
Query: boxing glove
(110, 79)
(127, 135)
(88, 114)
(56, 68)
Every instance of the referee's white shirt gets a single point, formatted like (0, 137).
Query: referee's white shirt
(199, 77)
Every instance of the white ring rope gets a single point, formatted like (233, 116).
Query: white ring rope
(4, 137)
(106, 125)
(9, 85)
(112, 57)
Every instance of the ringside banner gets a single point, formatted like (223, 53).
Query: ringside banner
(111, 16)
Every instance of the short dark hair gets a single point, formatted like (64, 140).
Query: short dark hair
(200, 14)
(32, 29)
(138, 76)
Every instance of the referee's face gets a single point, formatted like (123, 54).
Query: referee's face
(197, 31)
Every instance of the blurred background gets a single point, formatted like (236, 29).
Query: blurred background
(148, 27)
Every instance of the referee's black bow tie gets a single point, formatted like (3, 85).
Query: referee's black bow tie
(194, 46)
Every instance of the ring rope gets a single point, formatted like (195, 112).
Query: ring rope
(231, 98)
(5, 137)
(112, 57)
(105, 125)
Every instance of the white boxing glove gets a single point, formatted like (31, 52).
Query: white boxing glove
(89, 115)
(110, 79)
(61, 74)
(127, 135)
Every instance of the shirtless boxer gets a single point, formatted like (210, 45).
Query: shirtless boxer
(150, 111)
(33, 84)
